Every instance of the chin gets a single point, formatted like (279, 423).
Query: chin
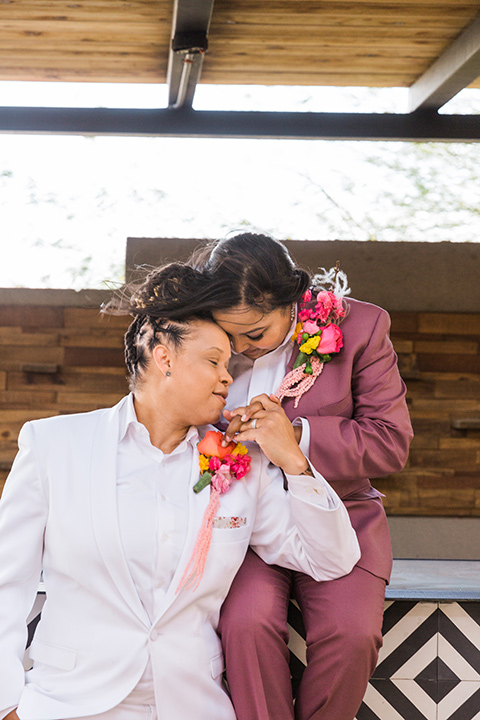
(207, 419)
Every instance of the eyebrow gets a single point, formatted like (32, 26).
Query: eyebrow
(254, 330)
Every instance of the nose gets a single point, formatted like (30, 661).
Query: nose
(227, 379)
(239, 344)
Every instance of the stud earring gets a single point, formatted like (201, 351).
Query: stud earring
(168, 373)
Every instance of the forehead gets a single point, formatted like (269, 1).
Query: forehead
(207, 334)
(241, 318)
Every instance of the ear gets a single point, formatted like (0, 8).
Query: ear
(162, 357)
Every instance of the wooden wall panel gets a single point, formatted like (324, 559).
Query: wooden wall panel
(56, 360)
(439, 360)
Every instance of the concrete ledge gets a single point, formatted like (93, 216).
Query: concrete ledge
(401, 276)
(435, 580)
(55, 298)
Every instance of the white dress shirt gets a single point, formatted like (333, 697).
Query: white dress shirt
(264, 375)
(152, 497)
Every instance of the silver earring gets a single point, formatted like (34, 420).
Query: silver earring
(168, 373)
(292, 312)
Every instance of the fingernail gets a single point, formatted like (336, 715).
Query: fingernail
(244, 417)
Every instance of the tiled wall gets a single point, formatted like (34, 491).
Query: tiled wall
(60, 359)
(428, 667)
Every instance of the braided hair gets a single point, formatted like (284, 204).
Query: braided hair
(163, 305)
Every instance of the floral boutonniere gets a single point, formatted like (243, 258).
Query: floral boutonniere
(317, 331)
(219, 467)
(318, 336)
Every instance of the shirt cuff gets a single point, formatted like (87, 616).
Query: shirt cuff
(304, 443)
(4, 713)
(314, 490)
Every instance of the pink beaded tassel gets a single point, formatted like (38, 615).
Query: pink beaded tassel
(196, 565)
(296, 382)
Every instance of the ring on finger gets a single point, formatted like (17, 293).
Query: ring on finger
(254, 423)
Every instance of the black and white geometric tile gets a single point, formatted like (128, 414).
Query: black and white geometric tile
(428, 668)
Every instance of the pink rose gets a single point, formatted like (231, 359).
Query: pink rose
(331, 340)
(310, 327)
(222, 479)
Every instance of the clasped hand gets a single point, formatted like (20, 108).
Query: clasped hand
(265, 422)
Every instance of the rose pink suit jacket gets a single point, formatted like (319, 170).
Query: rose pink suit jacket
(360, 426)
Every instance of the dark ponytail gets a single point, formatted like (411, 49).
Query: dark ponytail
(253, 270)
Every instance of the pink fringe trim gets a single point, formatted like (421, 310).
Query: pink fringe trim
(296, 383)
(196, 565)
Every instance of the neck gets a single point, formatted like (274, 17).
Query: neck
(165, 433)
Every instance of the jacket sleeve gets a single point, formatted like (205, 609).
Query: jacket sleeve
(375, 440)
(304, 528)
(23, 513)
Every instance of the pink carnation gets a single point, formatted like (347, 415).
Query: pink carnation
(310, 327)
(328, 304)
(214, 464)
(222, 479)
(230, 460)
(324, 306)
(331, 340)
(303, 315)
(241, 467)
(307, 296)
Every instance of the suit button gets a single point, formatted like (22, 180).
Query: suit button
(154, 634)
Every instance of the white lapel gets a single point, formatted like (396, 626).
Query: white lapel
(103, 483)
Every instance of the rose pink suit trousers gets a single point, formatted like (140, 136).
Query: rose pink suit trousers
(360, 429)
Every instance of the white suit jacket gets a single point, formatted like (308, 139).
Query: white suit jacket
(59, 514)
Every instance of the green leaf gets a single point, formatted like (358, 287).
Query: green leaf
(301, 358)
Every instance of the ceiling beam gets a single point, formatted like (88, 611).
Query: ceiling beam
(191, 20)
(420, 126)
(455, 68)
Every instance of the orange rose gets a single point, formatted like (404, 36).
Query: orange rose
(212, 444)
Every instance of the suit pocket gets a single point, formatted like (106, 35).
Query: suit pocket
(342, 408)
(53, 655)
(231, 534)
(217, 665)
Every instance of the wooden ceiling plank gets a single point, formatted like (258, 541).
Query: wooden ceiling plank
(455, 69)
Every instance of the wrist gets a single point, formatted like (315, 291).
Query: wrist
(297, 466)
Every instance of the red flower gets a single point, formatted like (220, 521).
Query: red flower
(212, 444)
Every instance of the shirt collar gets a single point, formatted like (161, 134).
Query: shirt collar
(128, 418)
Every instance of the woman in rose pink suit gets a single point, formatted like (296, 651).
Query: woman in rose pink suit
(353, 425)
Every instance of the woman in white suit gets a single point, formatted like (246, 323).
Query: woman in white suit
(103, 503)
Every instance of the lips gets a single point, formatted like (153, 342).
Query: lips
(222, 396)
